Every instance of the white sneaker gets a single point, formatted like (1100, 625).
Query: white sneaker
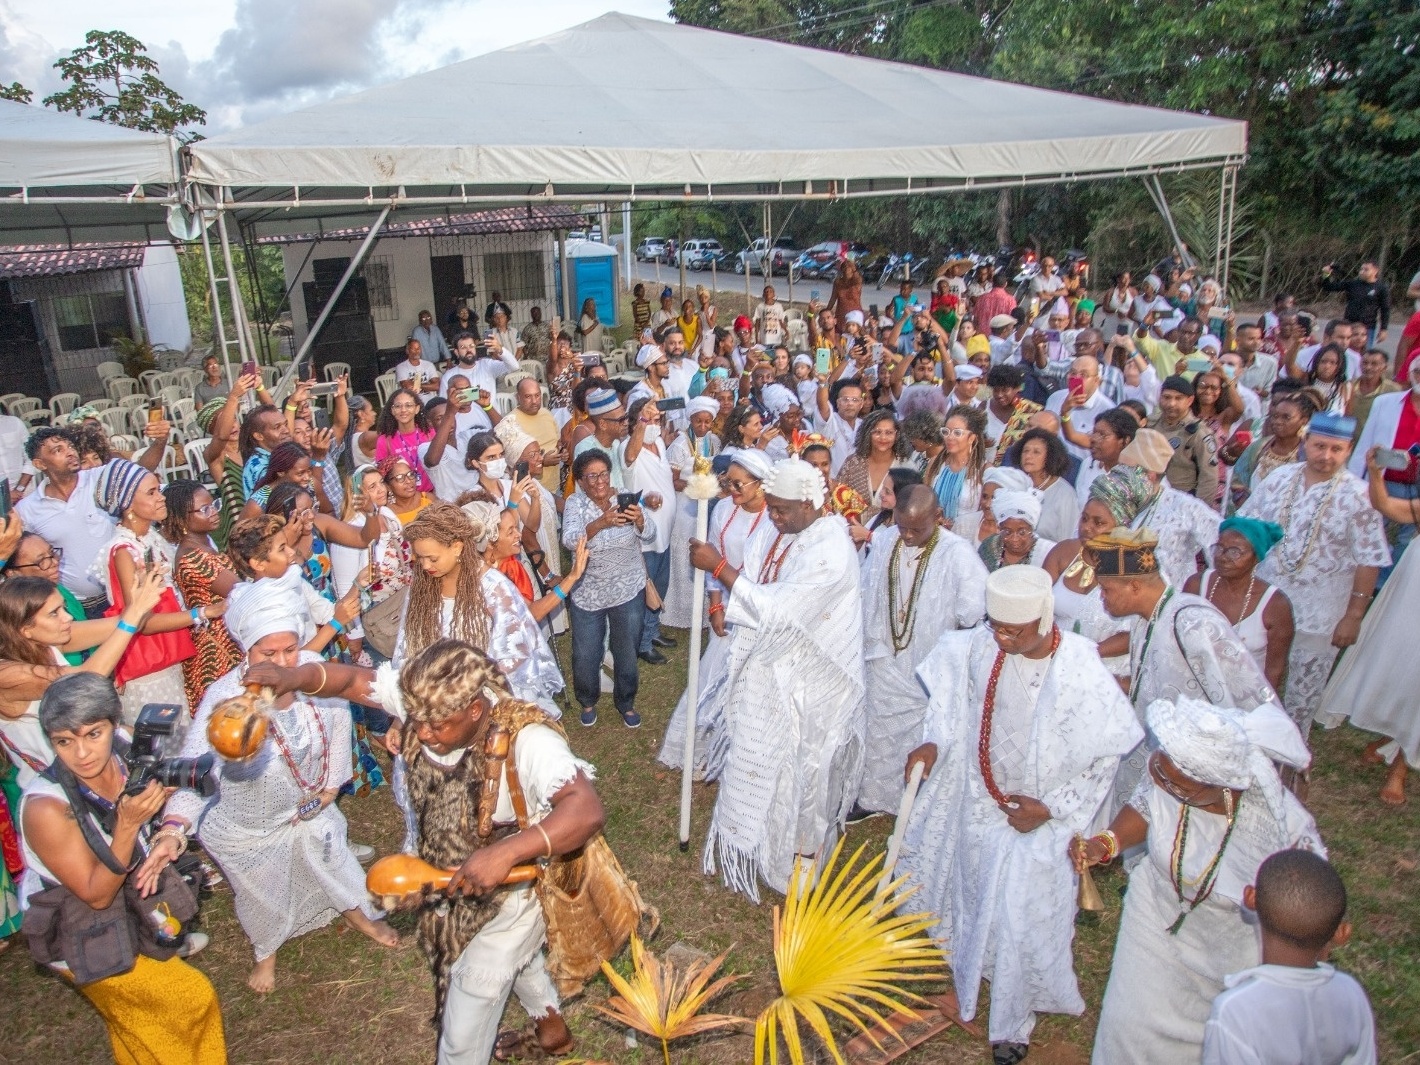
(195, 943)
(364, 853)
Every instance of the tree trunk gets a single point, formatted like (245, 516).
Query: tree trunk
(1003, 218)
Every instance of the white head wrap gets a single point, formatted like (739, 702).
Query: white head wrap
(802, 360)
(484, 517)
(648, 354)
(1227, 747)
(1059, 308)
(753, 461)
(1018, 595)
(1009, 503)
(701, 405)
(796, 479)
(1165, 326)
(271, 604)
(968, 372)
(1210, 343)
(777, 399)
(1154, 280)
(1007, 479)
(854, 317)
(515, 440)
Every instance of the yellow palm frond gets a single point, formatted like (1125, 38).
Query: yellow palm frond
(662, 1000)
(842, 949)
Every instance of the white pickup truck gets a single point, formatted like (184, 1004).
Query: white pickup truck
(778, 256)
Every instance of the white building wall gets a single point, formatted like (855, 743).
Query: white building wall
(160, 295)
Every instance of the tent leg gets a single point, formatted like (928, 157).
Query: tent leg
(1156, 193)
(1228, 230)
(359, 257)
(565, 267)
(1222, 211)
(626, 252)
(234, 293)
(217, 326)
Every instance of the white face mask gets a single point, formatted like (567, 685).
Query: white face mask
(496, 468)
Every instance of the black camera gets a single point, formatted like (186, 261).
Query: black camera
(156, 723)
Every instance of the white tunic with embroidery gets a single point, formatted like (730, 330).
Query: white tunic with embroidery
(793, 706)
(1185, 525)
(951, 595)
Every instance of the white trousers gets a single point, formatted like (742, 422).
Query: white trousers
(505, 955)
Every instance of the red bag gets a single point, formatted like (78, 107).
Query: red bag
(149, 654)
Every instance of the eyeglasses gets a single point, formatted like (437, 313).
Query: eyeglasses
(304, 514)
(597, 478)
(210, 509)
(740, 486)
(956, 434)
(54, 556)
(609, 418)
(1189, 797)
(1008, 632)
(407, 475)
(1233, 553)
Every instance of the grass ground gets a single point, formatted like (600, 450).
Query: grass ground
(340, 998)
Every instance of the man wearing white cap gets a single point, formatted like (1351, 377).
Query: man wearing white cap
(1006, 335)
(919, 581)
(1023, 732)
(793, 698)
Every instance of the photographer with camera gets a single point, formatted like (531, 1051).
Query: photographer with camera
(103, 905)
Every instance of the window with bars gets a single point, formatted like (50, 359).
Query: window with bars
(516, 275)
(89, 321)
(378, 272)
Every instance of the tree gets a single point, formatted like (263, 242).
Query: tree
(113, 79)
(17, 92)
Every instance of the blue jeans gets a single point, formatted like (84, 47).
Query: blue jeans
(589, 637)
(658, 571)
(1404, 532)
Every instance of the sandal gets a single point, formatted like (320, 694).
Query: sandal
(1008, 1053)
(514, 1044)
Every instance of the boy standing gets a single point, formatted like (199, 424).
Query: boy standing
(1294, 1006)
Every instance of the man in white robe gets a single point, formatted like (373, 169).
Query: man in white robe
(1180, 645)
(1183, 524)
(1329, 558)
(793, 699)
(987, 844)
(920, 581)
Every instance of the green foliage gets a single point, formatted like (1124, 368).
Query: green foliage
(136, 355)
(268, 293)
(17, 92)
(113, 79)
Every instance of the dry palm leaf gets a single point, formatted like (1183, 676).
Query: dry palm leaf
(661, 1000)
(840, 947)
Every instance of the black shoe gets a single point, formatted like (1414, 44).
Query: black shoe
(1008, 1053)
(653, 656)
(858, 814)
(663, 641)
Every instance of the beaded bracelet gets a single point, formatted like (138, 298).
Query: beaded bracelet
(720, 568)
(717, 608)
(123, 626)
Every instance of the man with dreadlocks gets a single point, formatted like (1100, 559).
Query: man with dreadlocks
(470, 789)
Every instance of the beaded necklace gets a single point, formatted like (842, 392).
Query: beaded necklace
(988, 711)
(1137, 668)
(1209, 877)
(1247, 599)
(769, 569)
(733, 515)
(902, 624)
(1294, 493)
(310, 804)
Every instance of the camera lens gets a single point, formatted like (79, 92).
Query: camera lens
(194, 773)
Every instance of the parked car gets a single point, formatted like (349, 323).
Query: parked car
(697, 254)
(778, 257)
(822, 259)
(651, 250)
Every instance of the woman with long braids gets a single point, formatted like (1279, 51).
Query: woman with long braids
(954, 474)
(203, 578)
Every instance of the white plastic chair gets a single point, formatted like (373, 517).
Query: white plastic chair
(533, 368)
(109, 370)
(385, 385)
(99, 404)
(25, 405)
(196, 451)
(334, 370)
(35, 418)
(171, 394)
(114, 420)
(130, 402)
(504, 402)
(181, 409)
(170, 359)
(118, 387)
(8, 398)
(62, 403)
(269, 376)
(149, 381)
(123, 443)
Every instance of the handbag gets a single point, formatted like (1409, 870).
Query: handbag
(381, 622)
(149, 653)
(589, 904)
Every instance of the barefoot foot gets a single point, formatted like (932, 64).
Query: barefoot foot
(1372, 754)
(379, 931)
(552, 1034)
(1393, 790)
(263, 978)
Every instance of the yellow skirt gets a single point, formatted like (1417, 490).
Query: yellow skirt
(160, 1013)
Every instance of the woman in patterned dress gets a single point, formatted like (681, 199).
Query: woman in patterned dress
(221, 421)
(202, 577)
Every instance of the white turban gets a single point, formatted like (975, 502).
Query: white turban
(515, 440)
(795, 479)
(777, 399)
(1060, 307)
(1009, 503)
(702, 405)
(1155, 281)
(1007, 479)
(648, 354)
(1210, 343)
(1227, 747)
(802, 360)
(854, 317)
(753, 461)
(484, 517)
(271, 604)
(1018, 595)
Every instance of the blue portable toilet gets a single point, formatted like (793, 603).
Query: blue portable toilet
(594, 275)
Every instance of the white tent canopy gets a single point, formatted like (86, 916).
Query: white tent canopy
(61, 173)
(630, 108)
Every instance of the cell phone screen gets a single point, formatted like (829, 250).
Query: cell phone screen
(155, 413)
(249, 368)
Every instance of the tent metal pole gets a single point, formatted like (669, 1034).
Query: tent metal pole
(1222, 210)
(1228, 232)
(626, 251)
(359, 257)
(1156, 193)
(565, 267)
(234, 294)
(217, 327)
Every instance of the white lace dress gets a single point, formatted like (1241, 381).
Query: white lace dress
(1331, 529)
(289, 876)
(166, 685)
(675, 613)
(1185, 525)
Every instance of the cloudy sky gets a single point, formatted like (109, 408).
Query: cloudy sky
(245, 60)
